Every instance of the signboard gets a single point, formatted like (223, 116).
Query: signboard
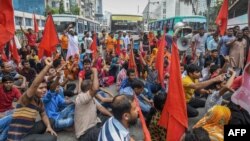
(127, 18)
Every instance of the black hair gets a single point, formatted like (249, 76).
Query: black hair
(87, 60)
(197, 134)
(208, 63)
(191, 68)
(25, 61)
(214, 50)
(159, 101)
(137, 84)
(56, 63)
(213, 68)
(7, 78)
(245, 28)
(125, 65)
(121, 104)
(130, 71)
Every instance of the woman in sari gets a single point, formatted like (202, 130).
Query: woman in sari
(153, 56)
(240, 105)
(213, 122)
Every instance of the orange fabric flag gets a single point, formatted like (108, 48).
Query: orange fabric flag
(35, 24)
(222, 18)
(174, 115)
(159, 64)
(14, 51)
(49, 40)
(7, 27)
(118, 47)
(131, 61)
(147, 136)
(93, 46)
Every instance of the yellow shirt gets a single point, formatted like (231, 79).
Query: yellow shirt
(110, 43)
(189, 92)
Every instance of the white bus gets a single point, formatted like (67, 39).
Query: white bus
(80, 23)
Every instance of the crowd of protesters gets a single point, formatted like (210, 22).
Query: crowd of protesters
(68, 90)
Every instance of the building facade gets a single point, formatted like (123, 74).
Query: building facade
(23, 13)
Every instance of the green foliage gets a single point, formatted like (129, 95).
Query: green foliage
(75, 10)
(61, 8)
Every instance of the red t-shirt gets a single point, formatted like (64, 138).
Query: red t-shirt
(31, 39)
(6, 98)
(237, 83)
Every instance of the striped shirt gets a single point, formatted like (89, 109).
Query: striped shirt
(24, 117)
(113, 130)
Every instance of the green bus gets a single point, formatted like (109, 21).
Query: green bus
(195, 22)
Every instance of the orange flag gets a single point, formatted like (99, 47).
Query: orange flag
(93, 46)
(7, 27)
(222, 18)
(118, 47)
(174, 115)
(131, 61)
(159, 64)
(35, 24)
(147, 136)
(49, 40)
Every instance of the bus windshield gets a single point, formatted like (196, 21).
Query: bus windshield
(195, 23)
(126, 22)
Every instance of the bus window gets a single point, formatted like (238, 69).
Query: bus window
(171, 24)
(80, 27)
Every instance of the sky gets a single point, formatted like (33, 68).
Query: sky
(124, 6)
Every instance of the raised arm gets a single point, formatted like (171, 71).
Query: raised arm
(39, 78)
(95, 85)
(24, 31)
(229, 82)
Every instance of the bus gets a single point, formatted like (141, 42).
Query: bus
(195, 22)
(80, 23)
(241, 21)
(125, 22)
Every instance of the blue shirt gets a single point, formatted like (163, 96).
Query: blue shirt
(53, 102)
(224, 50)
(113, 130)
(212, 44)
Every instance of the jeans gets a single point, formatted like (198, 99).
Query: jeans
(145, 107)
(152, 88)
(201, 60)
(37, 133)
(192, 105)
(66, 118)
(70, 90)
(4, 127)
(91, 134)
(64, 53)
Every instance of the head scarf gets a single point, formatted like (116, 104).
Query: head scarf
(213, 122)
(242, 96)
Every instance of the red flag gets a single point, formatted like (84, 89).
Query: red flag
(174, 114)
(147, 136)
(222, 18)
(159, 64)
(14, 52)
(93, 46)
(7, 28)
(49, 40)
(35, 24)
(131, 61)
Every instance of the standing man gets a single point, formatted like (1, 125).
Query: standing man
(87, 41)
(31, 37)
(102, 43)
(73, 48)
(126, 40)
(64, 44)
(223, 44)
(125, 114)
(198, 45)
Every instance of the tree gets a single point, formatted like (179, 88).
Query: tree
(61, 8)
(193, 3)
(75, 10)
